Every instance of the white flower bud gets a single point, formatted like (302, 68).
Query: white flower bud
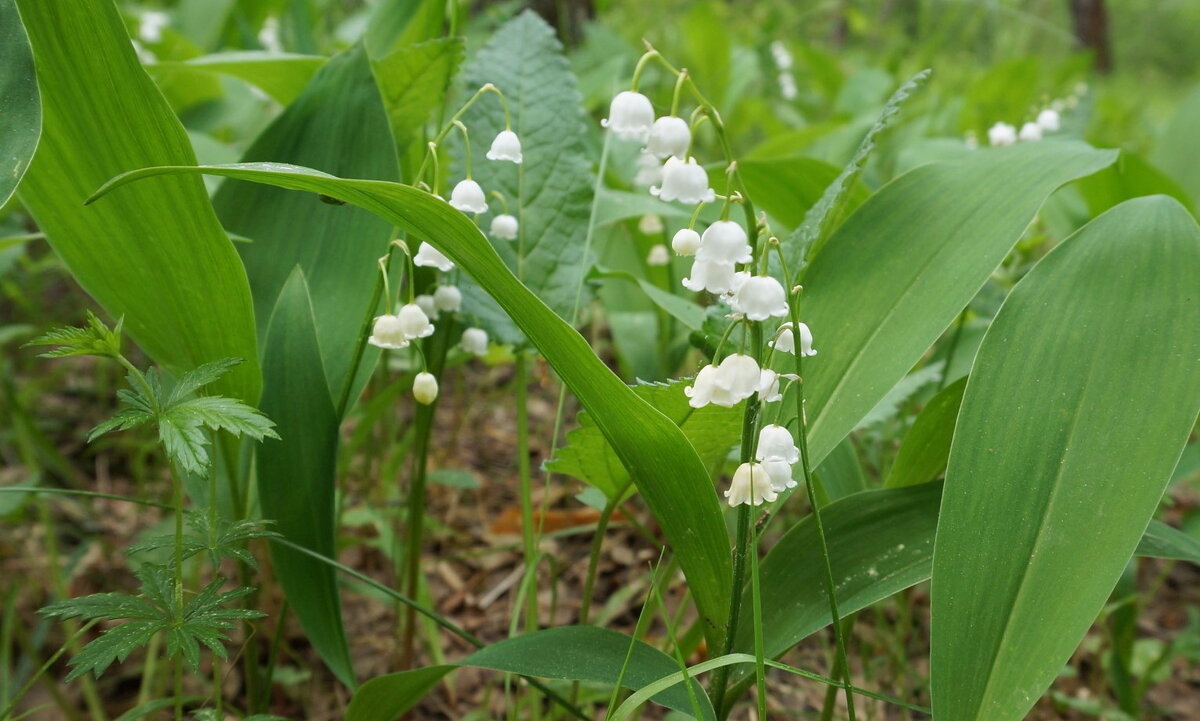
(474, 341)
(780, 473)
(388, 333)
(427, 304)
(468, 197)
(1002, 134)
(150, 26)
(425, 388)
(685, 242)
(1030, 131)
(1049, 121)
(414, 323)
(785, 341)
(447, 298)
(781, 55)
(506, 146)
(658, 256)
(787, 86)
(775, 443)
(685, 182)
(429, 257)
(710, 275)
(750, 485)
(758, 296)
(669, 136)
(724, 241)
(504, 227)
(630, 116)
(649, 171)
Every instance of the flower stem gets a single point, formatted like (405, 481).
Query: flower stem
(177, 501)
(525, 479)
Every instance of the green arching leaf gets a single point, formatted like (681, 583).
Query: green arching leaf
(926, 446)
(295, 474)
(675, 483)
(900, 269)
(1081, 399)
(788, 187)
(575, 653)
(157, 254)
(586, 455)
(551, 191)
(337, 125)
(681, 309)
(889, 405)
(617, 205)
(1177, 151)
(840, 474)
(21, 119)
(1163, 541)
(282, 76)
(412, 84)
(1130, 177)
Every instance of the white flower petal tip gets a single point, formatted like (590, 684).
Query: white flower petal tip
(669, 136)
(685, 242)
(732, 381)
(388, 333)
(1002, 134)
(785, 340)
(474, 341)
(751, 485)
(504, 227)
(506, 146)
(414, 323)
(759, 297)
(468, 197)
(780, 473)
(429, 257)
(447, 299)
(710, 275)
(630, 116)
(425, 388)
(686, 183)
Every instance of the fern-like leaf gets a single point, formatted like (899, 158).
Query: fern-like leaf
(93, 339)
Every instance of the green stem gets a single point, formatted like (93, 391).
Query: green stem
(177, 501)
(525, 479)
(589, 580)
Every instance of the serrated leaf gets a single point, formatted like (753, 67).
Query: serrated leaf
(222, 414)
(107, 606)
(93, 339)
(185, 443)
(124, 419)
(551, 191)
(200, 376)
(115, 644)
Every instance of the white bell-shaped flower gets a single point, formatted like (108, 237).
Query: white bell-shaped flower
(474, 341)
(150, 26)
(649, 171)
(506, 146)
(658, 256)
(785, 341)
(685, 182)
(468, 197)
(758, 296)
(429, 257)
(1030, 131)
(388, 333)
(685, 242)
(775, 443)
(425, 388)
(504, 227)
(414, 323)
(447, 299)
(781, 55)
(704, 388)
(710, 275)
(1049, 121)
(768, 386)
(751, 485)
(1002, 134)
(669, 136)
(724, 241)
(787, 86)
(650, 224)
(630, 116)
(428, 305)
(740, 375)
(780, 473)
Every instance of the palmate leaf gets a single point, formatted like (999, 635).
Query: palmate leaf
(195, 379)
(224, 539)
(221, 414)
(93, 339)
(115, 644)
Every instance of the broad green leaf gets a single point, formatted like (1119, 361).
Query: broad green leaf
(1081, 399)
(570, 653)
(889, 405)
(21, 119)
(840, 474)
(683, 310)
(412, 83)
(1178, 149)
(282, 76)
(617, 205)
(586, 455)
(900, 269)
(675, 483)
(551, 191)
(926, 446)
(295, 474)
(1130, 177)
(154, 254)
(337, 125)
(1163, 541)
(788, 187)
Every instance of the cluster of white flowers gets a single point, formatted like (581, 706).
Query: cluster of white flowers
(1001, 134)
(468, 196)
(770, 474)
(783, 63)
(680, 178)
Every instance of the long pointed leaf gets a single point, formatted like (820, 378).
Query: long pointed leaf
(21, 121)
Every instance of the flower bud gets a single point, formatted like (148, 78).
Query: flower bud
(414, 323)
(504, 227)
(506, 146)
(630, 116)
(684, 182)
(669, 136)
(468, 197)
(686, 242)
(474, 341)
(750, 485)
(429, 257)
(425, 388)
(447, 298)
(428, 305)
(388, 333)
